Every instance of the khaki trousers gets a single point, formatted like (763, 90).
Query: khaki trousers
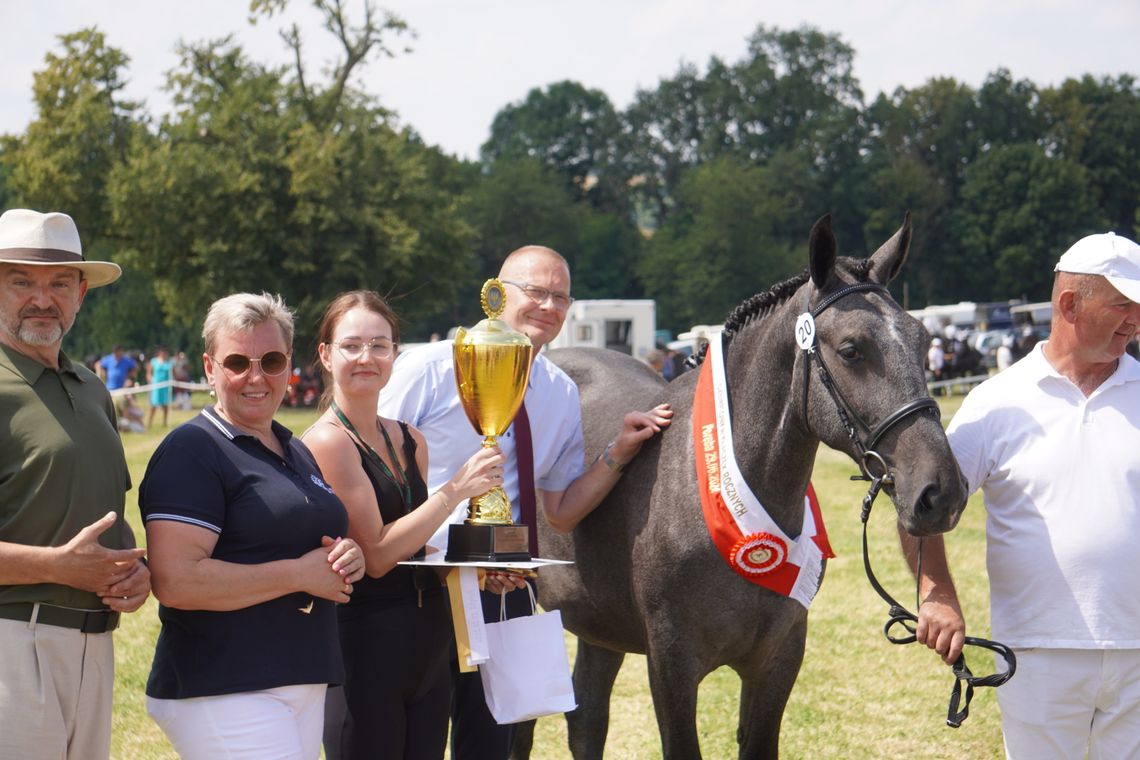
(55, 692)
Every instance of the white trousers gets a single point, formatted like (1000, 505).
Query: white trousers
(55, 692)
(1064, 703)
(284, 723)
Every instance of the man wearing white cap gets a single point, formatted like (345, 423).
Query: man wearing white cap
(1054, 444)
(66, 567)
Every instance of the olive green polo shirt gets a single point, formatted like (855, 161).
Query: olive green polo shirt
(61, 464)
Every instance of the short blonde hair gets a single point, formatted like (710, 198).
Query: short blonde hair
(241, 312)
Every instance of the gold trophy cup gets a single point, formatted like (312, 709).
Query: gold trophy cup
(492, 366)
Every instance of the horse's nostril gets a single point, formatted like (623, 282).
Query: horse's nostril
(924, 505)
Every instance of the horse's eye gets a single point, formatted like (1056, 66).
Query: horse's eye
(849, 353)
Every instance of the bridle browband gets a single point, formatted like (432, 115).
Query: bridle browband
(869, 460)
(847, 415)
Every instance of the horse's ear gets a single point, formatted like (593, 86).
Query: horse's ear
(821, 252)
(889, 259)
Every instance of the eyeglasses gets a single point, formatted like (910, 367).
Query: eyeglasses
(378, 348)
(272, 363)
(539, 295)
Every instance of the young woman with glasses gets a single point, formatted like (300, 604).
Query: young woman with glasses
(396, 632)
(247, 556)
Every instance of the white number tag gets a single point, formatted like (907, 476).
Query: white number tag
(805, 331)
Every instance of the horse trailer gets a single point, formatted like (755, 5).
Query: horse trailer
(621, 324)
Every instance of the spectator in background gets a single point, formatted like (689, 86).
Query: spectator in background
(117, 370)
(655, 358)
(131, 415)
(159, 370)
(935, 359)
(1027, 341)
(180, 372)
(1005, 353)
(674, 364)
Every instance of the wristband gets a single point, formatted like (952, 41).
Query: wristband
(613, 464)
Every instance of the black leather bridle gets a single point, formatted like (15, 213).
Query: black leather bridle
(874, 469)
(848, 417)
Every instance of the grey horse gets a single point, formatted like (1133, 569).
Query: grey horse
(644, 563)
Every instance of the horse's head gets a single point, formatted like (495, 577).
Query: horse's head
(865, 383)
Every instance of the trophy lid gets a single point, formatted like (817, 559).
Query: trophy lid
(492, 331)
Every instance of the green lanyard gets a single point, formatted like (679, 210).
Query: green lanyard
(401, 482)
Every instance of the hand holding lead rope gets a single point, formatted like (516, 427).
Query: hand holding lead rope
(899, 615)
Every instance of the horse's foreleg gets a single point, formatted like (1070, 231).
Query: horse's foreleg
(595, 669)
(523, 741)
(674, 674)
(766, 684)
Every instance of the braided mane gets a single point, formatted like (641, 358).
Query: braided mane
(761, 304)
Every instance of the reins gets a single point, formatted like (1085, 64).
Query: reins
(899, 615)
(870, 460)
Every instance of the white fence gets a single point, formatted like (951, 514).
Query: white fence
(957, 385)
(172, 384)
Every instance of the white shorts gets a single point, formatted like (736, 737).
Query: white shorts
(285, 723)
(1062, 703)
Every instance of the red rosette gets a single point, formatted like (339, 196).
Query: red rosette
(758, 554)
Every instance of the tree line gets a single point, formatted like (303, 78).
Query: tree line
(699, 194)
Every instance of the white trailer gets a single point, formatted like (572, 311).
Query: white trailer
(1040, 313)
(961, 316)
(625, 325)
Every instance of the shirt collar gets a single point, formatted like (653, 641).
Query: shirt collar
(1127, 369)
(32, 369)
(232, 432)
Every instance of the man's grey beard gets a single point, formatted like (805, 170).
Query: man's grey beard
(31, 336)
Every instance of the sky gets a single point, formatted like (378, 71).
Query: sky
(472, 57)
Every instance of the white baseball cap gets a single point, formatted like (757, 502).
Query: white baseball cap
(1108, 254)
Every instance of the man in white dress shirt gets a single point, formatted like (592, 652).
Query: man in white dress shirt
(422, 391)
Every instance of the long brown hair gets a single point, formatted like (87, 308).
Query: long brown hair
(341, 305)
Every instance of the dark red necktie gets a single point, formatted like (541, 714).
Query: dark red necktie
(524, 458)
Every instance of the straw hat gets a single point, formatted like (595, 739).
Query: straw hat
(31, 238)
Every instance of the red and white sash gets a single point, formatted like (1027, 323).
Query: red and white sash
(744, 533)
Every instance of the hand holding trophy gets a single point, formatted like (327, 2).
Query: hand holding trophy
(492, 367)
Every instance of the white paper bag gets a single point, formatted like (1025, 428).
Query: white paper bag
(528, 673)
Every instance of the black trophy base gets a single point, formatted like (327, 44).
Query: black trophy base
(487, 543)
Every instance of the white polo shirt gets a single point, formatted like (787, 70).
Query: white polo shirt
(422, 391)
(1060, 474)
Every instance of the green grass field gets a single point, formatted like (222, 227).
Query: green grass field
(857, 696)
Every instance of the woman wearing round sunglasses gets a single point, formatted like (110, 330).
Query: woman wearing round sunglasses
(246, 556)
(396, 631)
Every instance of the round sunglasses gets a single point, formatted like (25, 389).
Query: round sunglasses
(272, 363)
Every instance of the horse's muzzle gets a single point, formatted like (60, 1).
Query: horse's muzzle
(935, 511)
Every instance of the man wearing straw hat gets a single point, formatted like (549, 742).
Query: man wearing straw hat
(66, 567)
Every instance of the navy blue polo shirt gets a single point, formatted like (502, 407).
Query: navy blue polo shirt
(264, 508)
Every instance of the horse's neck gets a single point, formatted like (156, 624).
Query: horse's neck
(773, 447)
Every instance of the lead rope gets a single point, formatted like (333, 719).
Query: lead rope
(899, 615)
